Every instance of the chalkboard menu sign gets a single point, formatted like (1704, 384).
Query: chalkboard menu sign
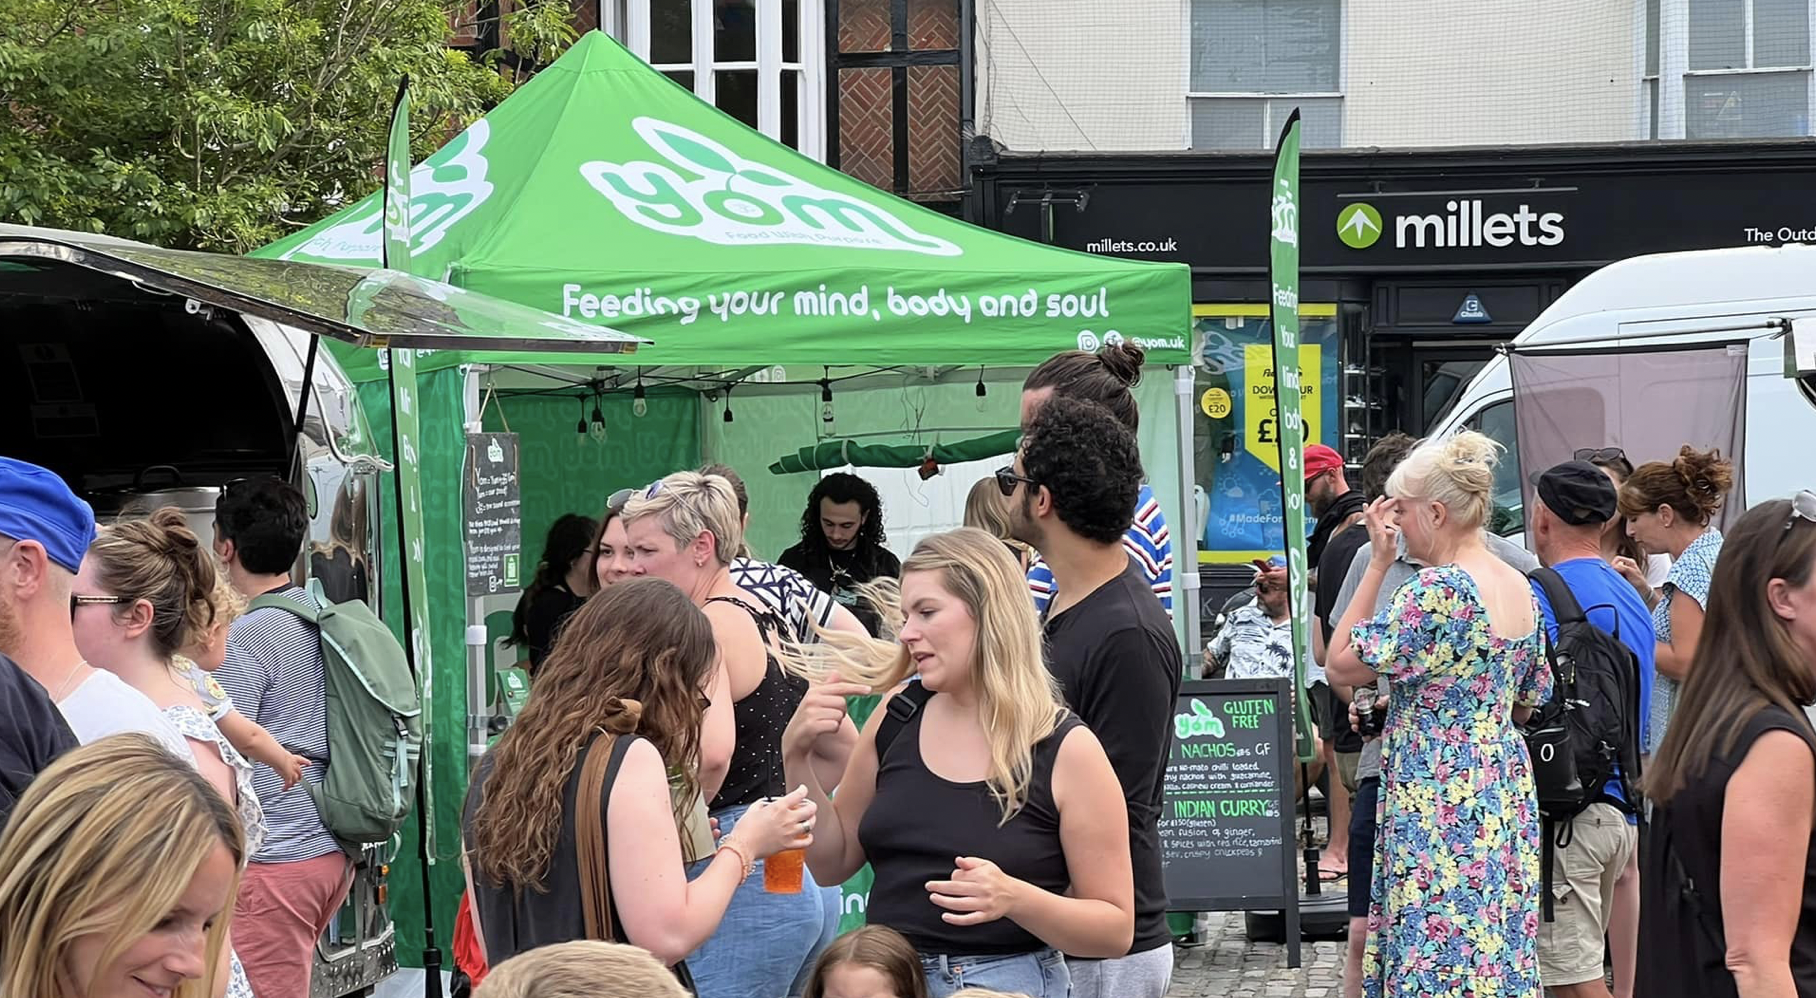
(1226, 822)
(493, 505)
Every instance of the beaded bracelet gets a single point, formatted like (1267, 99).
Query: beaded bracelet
(745, 865)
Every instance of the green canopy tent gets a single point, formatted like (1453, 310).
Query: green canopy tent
(603, 192)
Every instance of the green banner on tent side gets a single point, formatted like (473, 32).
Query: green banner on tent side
(605, 192)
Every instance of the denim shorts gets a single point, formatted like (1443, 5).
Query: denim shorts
(1041, 974)
(765, 940)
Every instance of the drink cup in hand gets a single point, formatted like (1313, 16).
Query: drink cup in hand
(780, 829)
(1365, 714)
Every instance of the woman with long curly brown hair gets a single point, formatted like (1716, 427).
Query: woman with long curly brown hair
(631, 665)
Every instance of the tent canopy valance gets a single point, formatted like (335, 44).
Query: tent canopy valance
(604, 192)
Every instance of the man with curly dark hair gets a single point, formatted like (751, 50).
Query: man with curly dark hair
(1110, 644)
(841, 544)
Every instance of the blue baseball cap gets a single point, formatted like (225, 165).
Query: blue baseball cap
(36, 505)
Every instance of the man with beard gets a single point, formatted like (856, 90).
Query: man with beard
(44, 532)
(1110, 644)
(842, 543)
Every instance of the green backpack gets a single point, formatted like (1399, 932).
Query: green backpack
(374, 720)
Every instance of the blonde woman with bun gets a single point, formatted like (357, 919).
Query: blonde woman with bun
(1455, 903)
(146, 592)
(118, 872)
(990, 814)
(1670, 507)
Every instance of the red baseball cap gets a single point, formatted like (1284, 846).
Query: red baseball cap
(1320, 459)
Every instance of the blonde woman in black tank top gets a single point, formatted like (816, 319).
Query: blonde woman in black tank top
(686, 529)
(990, 815)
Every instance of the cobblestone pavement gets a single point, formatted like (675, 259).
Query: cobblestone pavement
(1228, 965)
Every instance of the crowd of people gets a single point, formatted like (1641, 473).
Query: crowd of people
(1468, 874)
(675, 806)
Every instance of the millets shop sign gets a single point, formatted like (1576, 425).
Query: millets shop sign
(1373, 224)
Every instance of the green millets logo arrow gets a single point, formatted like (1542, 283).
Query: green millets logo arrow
(1359, 226)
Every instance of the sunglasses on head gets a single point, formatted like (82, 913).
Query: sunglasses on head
(1597, 455)
(1803, 507)
(1007, 480)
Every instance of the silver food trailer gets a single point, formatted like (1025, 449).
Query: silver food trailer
(149, 377)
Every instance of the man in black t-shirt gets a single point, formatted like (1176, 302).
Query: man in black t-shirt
(34, 735)
(1109, 643)
(842, 543)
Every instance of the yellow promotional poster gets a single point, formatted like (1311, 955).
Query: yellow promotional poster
(1261, 416)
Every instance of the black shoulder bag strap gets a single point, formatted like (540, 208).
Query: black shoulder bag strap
(901, 709)
(1564, 610)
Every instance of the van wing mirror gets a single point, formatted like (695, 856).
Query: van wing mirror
(1799, 348)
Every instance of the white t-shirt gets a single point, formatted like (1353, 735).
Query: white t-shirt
(104, 705)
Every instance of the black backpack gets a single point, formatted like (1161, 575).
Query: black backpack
(1590, 725)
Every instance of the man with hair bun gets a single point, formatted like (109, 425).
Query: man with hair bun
(1104, 378)
(1109, 643)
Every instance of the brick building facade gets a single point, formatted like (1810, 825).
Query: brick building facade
(872, 87)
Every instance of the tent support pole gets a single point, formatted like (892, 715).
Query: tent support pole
(479, 717)
(1186, 534)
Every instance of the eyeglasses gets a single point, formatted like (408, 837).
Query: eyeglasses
(617, 499)
(80, 601)
(1597, 455)
(1803, 507)
(1007, 480)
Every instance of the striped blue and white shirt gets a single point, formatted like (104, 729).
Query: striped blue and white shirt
(1147, 542)
(274, 674)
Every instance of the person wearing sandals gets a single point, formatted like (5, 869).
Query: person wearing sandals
(584, 776)
(687, 529)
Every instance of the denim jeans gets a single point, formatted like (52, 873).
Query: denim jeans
(1041, 974)
(765, 939)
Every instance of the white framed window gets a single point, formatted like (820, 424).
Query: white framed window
(760, 61)
(1729, 69)
(1252, 61)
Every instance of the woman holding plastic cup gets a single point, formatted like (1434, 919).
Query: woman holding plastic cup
(989, 813)
(686, 529)
(626, 677)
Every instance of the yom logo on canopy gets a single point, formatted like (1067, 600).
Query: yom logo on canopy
(444, 189)
(710, 193)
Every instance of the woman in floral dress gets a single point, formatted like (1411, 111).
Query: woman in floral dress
(1455, 901)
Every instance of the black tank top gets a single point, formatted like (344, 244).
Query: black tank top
(1680, 928)
(760, 718)
(918, 823)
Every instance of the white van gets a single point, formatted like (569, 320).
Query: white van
(1677, 298)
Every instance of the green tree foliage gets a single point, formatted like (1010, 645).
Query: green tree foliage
(225, 124)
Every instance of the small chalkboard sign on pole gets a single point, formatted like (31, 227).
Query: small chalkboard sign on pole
(492, 501)
(1226, 820)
